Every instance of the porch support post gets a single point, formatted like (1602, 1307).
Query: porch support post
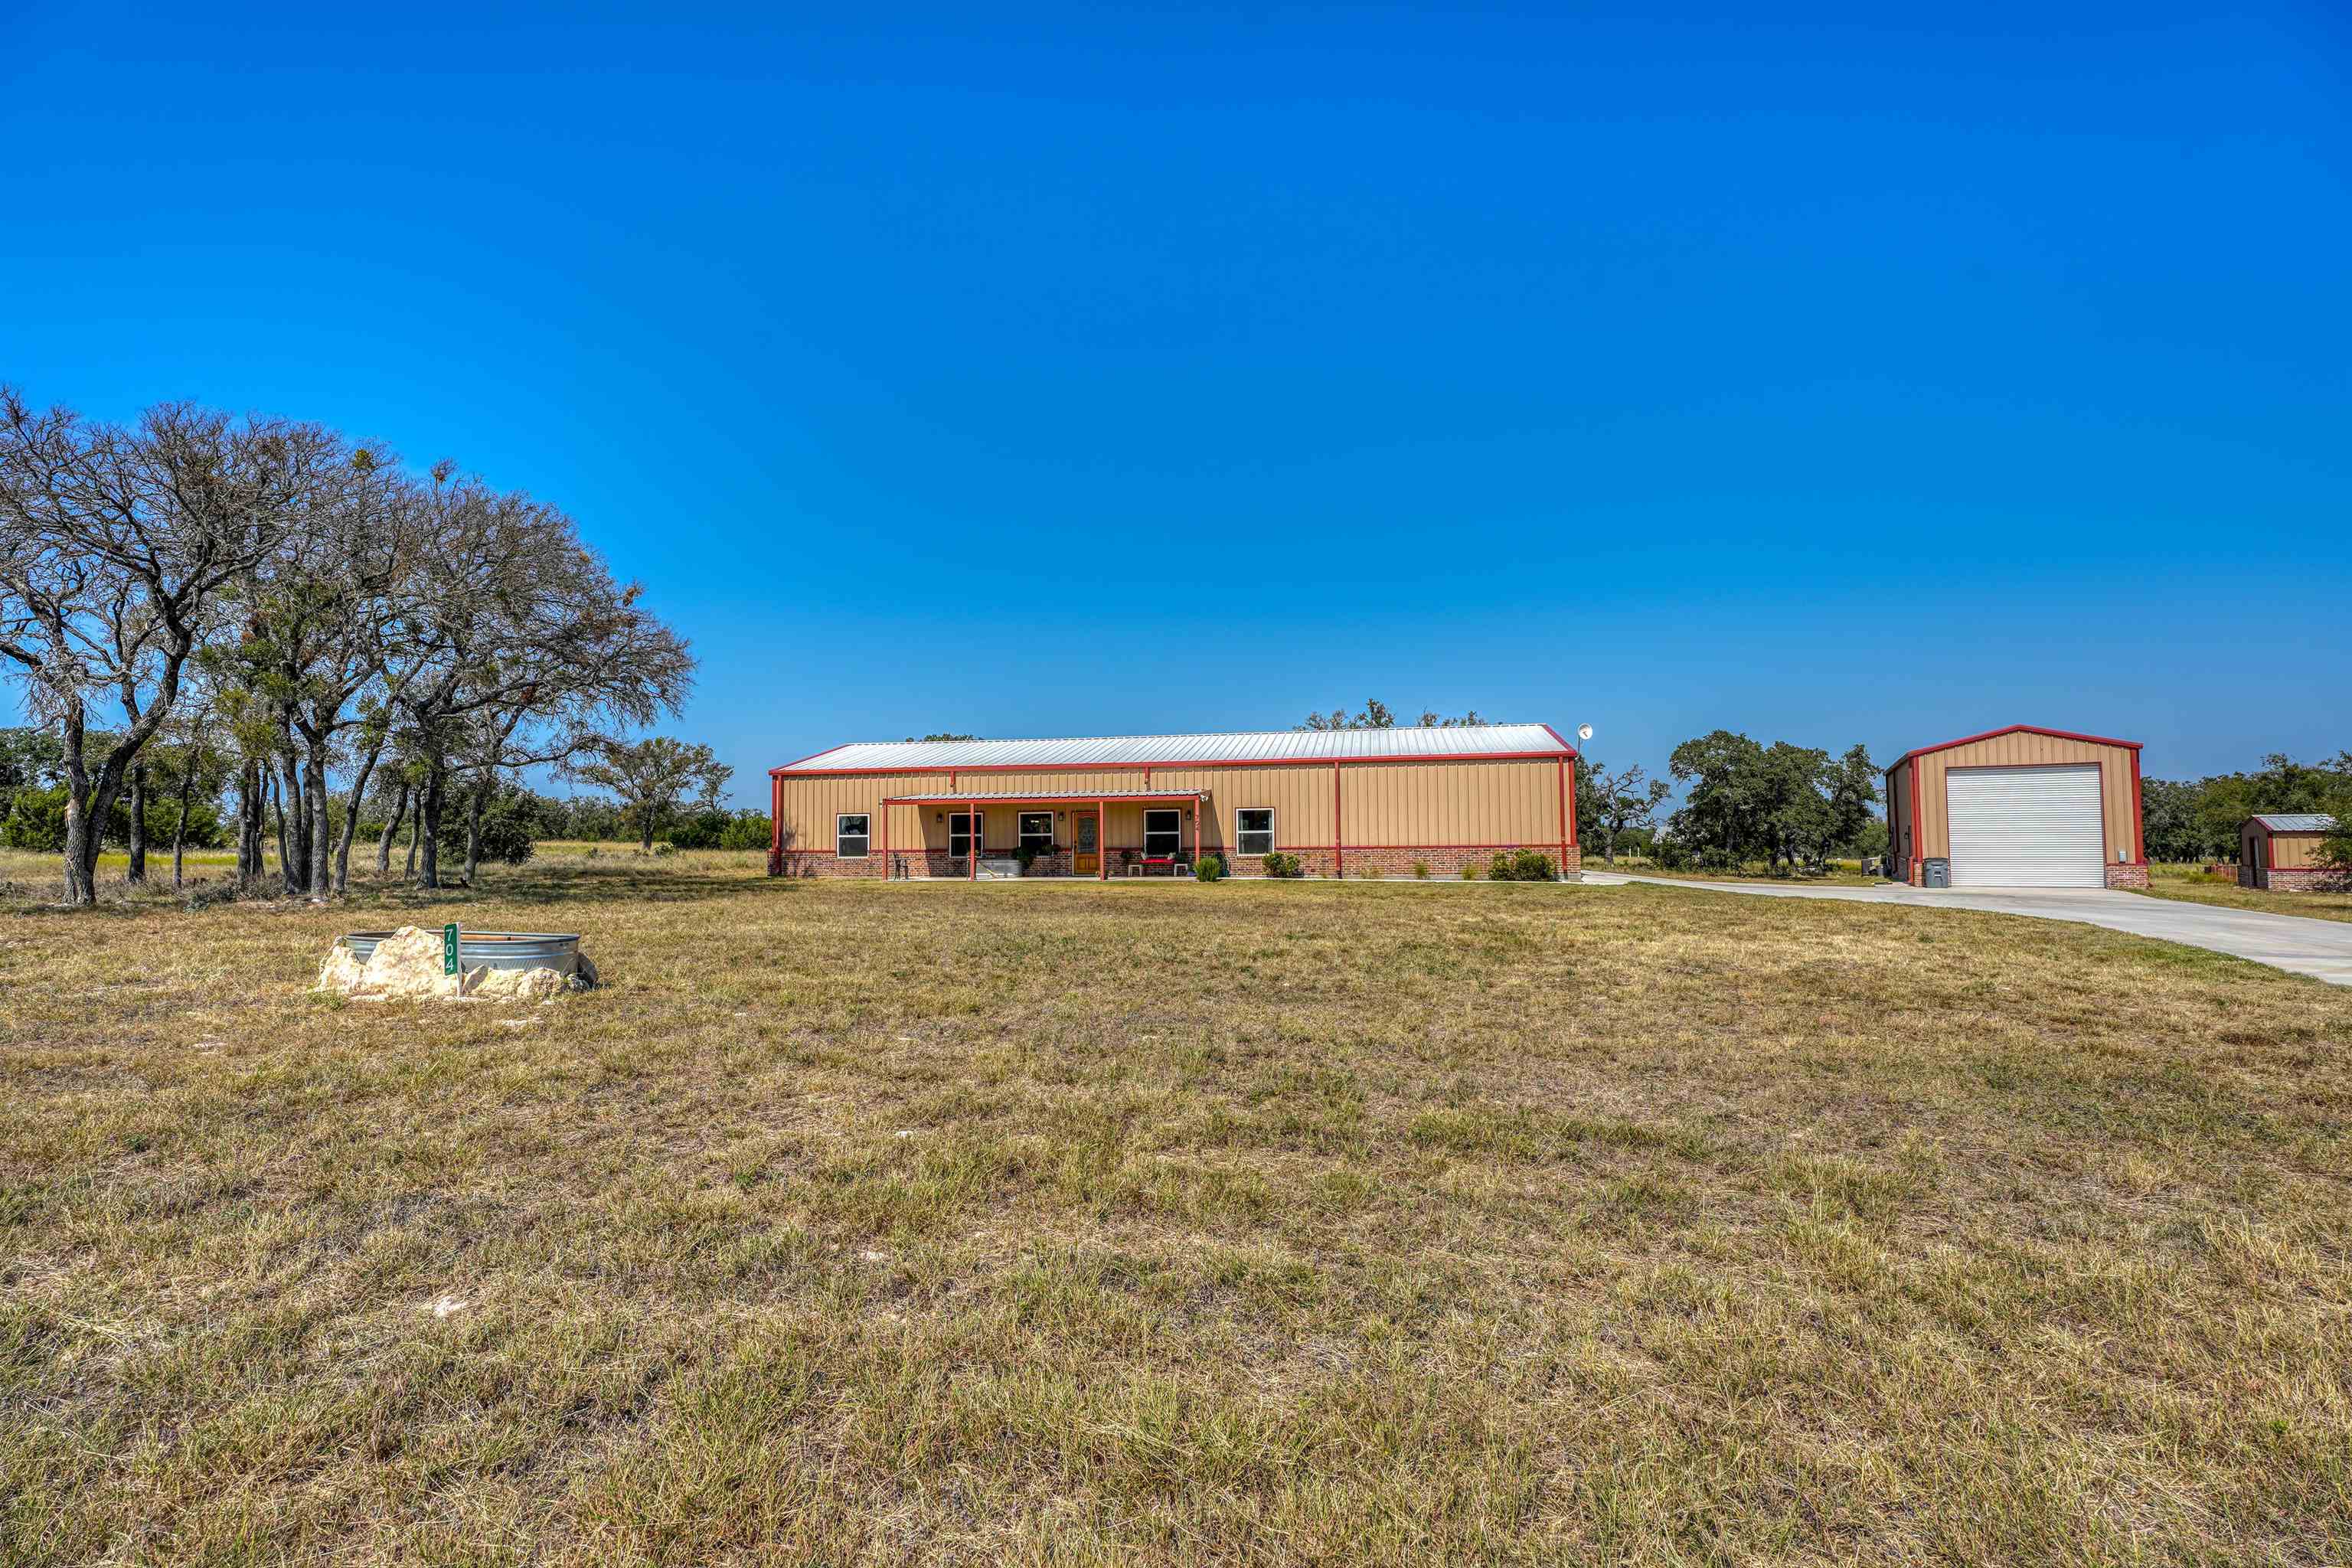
(775, 826)
(972, 841)
(1567, 818)
(1102, 841)
(1338, 839)
(886, 838)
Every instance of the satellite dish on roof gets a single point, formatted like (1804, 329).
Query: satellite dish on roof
(1584, 731)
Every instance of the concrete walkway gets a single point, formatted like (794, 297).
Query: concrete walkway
(2321, 949)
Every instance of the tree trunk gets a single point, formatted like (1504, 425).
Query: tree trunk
(315, 796)
(257, 814)
(428, 870)
(285, 850)
(645, 827)
(299, 805)
(136, 875)
(351, 821)
(474, 829)
(86, 815)
(247, 837)
(180, 829)
(416, 834)
(392, 826)
(80, 884)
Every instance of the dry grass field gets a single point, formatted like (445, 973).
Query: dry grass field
(1169, 1223)
(2192, 885)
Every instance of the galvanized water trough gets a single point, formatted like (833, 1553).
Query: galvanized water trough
(491, 949)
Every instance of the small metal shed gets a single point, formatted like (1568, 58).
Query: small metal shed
(2285, 851)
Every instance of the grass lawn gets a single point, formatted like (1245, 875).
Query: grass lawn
(1170, 1224)
(2190, 885)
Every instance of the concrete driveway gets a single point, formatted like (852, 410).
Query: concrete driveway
(2321, 949)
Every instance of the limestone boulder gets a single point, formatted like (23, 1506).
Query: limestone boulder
(341, 972)
(406, 965)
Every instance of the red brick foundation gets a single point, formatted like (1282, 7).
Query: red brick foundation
(2309, 879)
(2124, 875)
(926, 864)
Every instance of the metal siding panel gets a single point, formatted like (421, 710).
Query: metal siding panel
(2027, 826)
(1413, 805)
(2294, 851)
(1934, 821)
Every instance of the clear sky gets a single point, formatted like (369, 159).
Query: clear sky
(1076, 371)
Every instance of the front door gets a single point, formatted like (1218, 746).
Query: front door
(1086, 852)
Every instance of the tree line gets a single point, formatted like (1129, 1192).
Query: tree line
(1782, 805)
(267, 603)
(2184, 819)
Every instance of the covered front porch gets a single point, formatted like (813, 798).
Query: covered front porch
(978, 836)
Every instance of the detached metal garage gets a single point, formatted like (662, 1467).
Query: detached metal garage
(2019, 807)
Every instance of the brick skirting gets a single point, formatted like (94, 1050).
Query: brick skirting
(925, 864)
(2309, 879)
(2118, 875)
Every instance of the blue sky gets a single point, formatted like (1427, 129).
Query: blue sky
(1070, 370)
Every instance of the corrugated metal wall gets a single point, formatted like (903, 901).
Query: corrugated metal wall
(1451, 804)
(1406, 805)
(2294, 851)
(1300, 797)
(2025, 749)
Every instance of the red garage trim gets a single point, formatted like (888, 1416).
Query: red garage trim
(2140, 830)
(2016, 729)
(1918, 828)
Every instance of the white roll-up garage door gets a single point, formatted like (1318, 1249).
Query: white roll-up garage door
(2027, 827)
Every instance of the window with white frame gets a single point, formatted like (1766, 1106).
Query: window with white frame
(852, 834)
(1254, 830)
(960, 825)
(1037, 831)
(1163, 833)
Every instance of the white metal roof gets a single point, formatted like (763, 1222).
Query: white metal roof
(2297, 821)
(1240, 746)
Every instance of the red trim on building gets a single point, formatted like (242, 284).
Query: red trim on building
(1566, 823)
(2015, 730)
(1918, 832)
(2140, 830)
(1338, 838)
(1042, 799)
(775, 826)
(1284, 849)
